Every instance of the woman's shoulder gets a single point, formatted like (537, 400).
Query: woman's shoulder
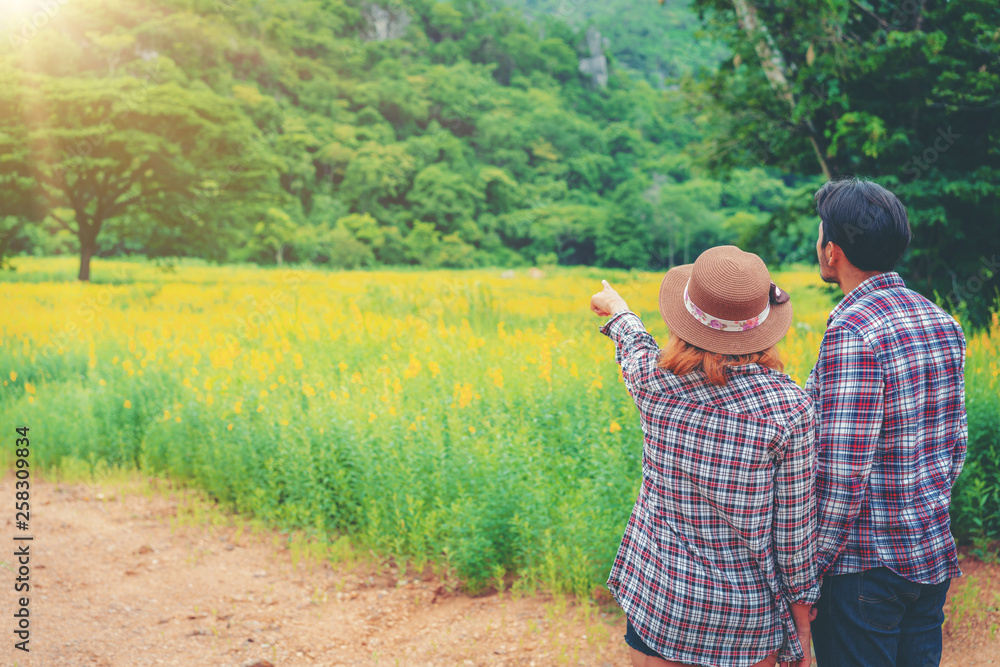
(775, 392)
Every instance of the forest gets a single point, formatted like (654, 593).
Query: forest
(472, 133)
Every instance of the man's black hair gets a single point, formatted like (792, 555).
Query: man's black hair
(867, 221)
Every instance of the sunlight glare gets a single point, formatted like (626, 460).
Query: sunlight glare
(27, 14)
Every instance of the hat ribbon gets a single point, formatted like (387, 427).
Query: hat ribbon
(722, 324)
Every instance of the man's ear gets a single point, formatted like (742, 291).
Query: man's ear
(834, 253)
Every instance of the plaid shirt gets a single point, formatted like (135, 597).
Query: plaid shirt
(890, 393)
(722, 535)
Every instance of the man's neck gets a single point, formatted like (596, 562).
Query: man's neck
(850, 282)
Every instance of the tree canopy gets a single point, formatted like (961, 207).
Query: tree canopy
(907, 94)
(476, 132)
(460, 133)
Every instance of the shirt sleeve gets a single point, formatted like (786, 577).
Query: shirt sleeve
(636, 350)
(848, 389)
(794, 534)
(961, 447)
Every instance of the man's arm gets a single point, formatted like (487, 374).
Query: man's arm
(849, 390)
(961, 447)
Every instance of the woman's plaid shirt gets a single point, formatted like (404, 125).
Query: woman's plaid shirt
(890, 396)
(722, 535)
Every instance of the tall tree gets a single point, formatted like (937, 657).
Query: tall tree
(125, 147)
(907, 94)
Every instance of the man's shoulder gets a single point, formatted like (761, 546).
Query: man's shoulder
(894, 320)
(891, 309)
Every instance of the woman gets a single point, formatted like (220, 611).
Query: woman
(716, 564)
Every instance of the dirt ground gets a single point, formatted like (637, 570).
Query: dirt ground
(141, 573)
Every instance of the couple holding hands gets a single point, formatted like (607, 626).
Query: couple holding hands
(770, 516)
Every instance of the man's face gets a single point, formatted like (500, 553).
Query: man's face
(825, 270)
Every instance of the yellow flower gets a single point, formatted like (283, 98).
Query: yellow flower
(30, 388)
(166, 414)
(392, 410)
(413, 369)
(333, 396)
(238, 407)
(13, 376)
(284, 422)
(472, 430)
(464, 394)
(434, 368)
(497, 375)
(260, 408)
(342, 366)
(230, 427)
(297, 358)
(372, 417)
(614, 428)
(128, 405)
(101, 382)
(177, 419)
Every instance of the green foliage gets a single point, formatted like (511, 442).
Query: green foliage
(905, 93)
(246, 131)
(443, 420)
(660, 42)
(975, 509)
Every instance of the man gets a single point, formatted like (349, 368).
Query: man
(890, 402)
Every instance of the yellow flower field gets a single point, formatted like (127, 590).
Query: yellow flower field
(463, 419)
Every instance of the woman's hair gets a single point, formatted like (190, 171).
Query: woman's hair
(680, 358)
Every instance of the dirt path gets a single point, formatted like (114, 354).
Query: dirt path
(125, 574)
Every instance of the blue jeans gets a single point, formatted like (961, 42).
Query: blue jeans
(633, 639)
(876, 618)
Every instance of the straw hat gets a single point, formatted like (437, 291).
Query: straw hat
(725, 302)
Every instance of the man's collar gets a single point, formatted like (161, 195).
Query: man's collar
(876, 282)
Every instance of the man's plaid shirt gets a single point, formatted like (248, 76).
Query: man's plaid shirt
(890, 396)
(722, 535)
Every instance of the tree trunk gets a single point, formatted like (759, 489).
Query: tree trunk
(775, 69)
(87, 234)
(87, 250)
